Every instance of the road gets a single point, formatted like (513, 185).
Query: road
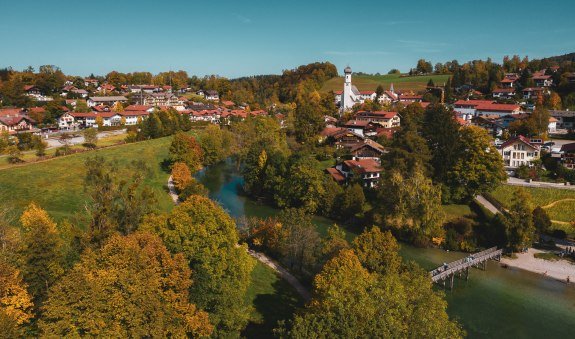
(485, 203)
(540, 184)
(264, 259)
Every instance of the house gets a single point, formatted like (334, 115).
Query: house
(91, 82)
(340, 136)
(552, 128)
(565, 119)
(89, 119)
(568, 155)
(161, 99)
(357, 126)
(496, 109)
(542, 80)
(385, 119)
(490, 124)
(509, 80)
(133, 117)
(368, 170)
(409, 98)
(16, 124)
(212, 95)
(34, 92)
(108, 100)
(106, 88)
(466, 108)
(388, 96)
(368, 149)
(504, 93)
(533, 92)
(519, 151)
(67, 122)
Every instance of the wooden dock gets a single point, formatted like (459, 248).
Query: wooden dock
(446, 273)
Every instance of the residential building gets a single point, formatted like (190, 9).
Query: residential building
(496, 109)
(504, 93)
(519, 151)
(509, 80)
(368, 170)
(534, 92)
(542, 80)
(565, 119)
(108, 100)
(16, 124)
(385, 119)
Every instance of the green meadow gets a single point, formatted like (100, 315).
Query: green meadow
(400, 82)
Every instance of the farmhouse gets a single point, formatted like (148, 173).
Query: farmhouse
(568, 155)
(385, 119)
(565, 119)
(367, 169)
(15, 124)
(504, 93)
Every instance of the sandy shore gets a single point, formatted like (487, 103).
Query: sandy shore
(560, 269)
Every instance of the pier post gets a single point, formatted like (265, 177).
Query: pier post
(452, 276)
(467, 273)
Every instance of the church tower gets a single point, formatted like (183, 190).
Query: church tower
(347, 101)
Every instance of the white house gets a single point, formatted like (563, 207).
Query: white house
(108, 101)
(519, 151)
(67, 122)
(504, 93)
(212, 95)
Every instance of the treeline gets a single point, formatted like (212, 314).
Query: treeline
(132, 272)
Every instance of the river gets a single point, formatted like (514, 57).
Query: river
(496, 303)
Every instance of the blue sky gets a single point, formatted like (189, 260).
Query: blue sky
(237, 38)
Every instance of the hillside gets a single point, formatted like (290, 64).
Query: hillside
(57, 185)
(370, 82)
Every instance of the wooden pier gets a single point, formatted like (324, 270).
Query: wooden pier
(445, 274)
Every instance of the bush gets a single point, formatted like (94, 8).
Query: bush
(560, 234)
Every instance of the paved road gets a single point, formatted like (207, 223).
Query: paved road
(480, 199)
(540, 184)
(264, 259)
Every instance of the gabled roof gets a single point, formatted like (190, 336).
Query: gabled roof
(498, 107)
(335, 174)
(472, 102)
(109, 98)
(137, 108)
(368, 143)
(356, 123)
(519, 138)
(363, 165)
(14, 120)
(504, 90)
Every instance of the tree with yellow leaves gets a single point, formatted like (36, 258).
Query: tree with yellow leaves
(41, 251)
(181, 176)
(131, 287)
(15, 302)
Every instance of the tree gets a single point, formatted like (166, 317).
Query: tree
(206, 235)
(424, 67)
(90, 137)
(41, 252)
(394, 71)
(181, 176)
(334, 242)
(15, 302)
(184, 148)
(541, 220)
(430, 83)
(379, 92)
(131, 287)
(216, 144)
(303, 187)
(81, 106)
(40, 146)
(352, 201)
(300, 243)
(99, 121)
(441, 132)
(14, 154)
(478, 167)
(520, 231)
(351, 302)
(378, 251)
(412, 205)
(538, 121)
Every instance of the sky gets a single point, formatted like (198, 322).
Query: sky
(245, 37)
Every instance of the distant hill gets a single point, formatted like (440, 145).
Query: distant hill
(561, 58)
(399, 81)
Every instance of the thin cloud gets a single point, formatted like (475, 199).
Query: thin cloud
(243, 19)
(356, 53)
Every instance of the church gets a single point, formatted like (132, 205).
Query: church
(351, 96)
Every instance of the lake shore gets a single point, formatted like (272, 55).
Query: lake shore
(559, 269)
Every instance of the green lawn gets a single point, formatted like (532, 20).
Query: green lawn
(561, 211)
(272, 298)
(57, 184)
(456, 211)
(370, 82)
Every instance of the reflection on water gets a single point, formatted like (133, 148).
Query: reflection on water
(496, 303)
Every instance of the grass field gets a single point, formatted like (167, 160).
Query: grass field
(273, 299)
(370, 82)
(57, 184)
(559, 203)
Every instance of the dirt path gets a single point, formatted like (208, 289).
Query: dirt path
(556, 202)
(264, 259)
(480, 199)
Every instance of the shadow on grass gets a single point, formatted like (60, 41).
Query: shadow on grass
(280, 305)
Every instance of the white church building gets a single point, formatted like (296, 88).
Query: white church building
(351, 96)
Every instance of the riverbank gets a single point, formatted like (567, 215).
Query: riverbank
(559, 269)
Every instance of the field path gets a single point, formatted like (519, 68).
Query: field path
(264, 259)
(556, 202)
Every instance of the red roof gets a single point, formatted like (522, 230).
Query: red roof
(472, 102)
(14, 120)
(504, 90)
(498, 107)
(137, 108)
(363, 165)
(9, 111)
(357, 123)
(335, 174)
(366, 92)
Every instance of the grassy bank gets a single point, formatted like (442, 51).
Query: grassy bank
(370, 82)
(57, 184)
